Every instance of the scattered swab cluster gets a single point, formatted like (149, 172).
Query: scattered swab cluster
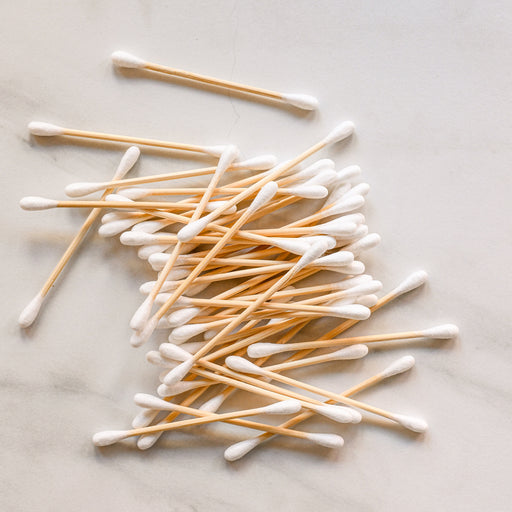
(198, 239)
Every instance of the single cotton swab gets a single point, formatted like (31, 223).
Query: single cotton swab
(42, 129)
(31, 311)
(302, 101)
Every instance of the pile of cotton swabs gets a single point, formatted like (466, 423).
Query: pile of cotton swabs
(220, 343)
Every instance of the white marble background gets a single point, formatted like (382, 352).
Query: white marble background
(429, 86)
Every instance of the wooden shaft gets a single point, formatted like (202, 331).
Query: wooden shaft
(335, 342)
(134, 140)
(212, 81)
(132, 205)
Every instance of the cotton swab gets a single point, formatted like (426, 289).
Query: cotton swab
(84, 188)
(109, 437)
(446, 331)
(302, 101)
(242, 365)
(42, 129)
(238, 450)
(29, 314)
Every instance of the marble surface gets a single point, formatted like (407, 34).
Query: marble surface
(428, 86)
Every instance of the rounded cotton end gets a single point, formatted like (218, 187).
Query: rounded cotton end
(351, 311)
(174, 352)
(213, 404)
(238, 450)
(151, 402)
(141, 315)
(127, 60)
(183, 333)
(192, 229)
(443, 332)
(265, 349)
(401, 365)
(109, 437)
(83, 189)
(179, 373)
(327, 440)
(29, 314)
(303, 101)
(44, 129)
(128, 160)
(342, 131)
(239, 364)
(307, 192)
(411, 423)
(352, 352)
(214, 150)
(137, 238)
(284, 407)
(415, 280)
(33, 203)
(258, 163)
(267, 192)
(182, 316)
(140, 337)
(337, 413)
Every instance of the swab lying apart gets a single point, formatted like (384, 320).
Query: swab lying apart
(126, 60)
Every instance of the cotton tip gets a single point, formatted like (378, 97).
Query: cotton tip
(29, 314)
(355, 268)
(209, 334)
(415, 280)
(44, 129)
(140, 337)
(182, 316)
(442, 332)
(113, 228)
(127, 60)
(336, 413)
(146, 441)
(348, 353)
(33, 203)
(137, 238)
(228, 156)
(363, 244)
(336, 259)
(328, 241)
(315, 250)
(238, 450)
(109, 437)
(239, 364)
(151, 226)
(295, 246)
(346, 284)
(327, 440)
(258, 163)
(399, 366)
(144, 418)
(364, 289)
(174, 352)
(368, 300)
(267, 192)
(337, 228)
(303, 101)
(179, 373)
(83, 189)
(415, 424)
(151, 402)
(265, 349)
(346, 204)
(215, 205)
(348, 173)
(284, 407)
(307, 192)
(128, 160)
(180, 387)
(326, 177)
(141, 315)
(351, 311)
(360, 189)
(183, 333)
(192, 229)
(147, 250)
(154, 357)
(339, 133)
(213, 404)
